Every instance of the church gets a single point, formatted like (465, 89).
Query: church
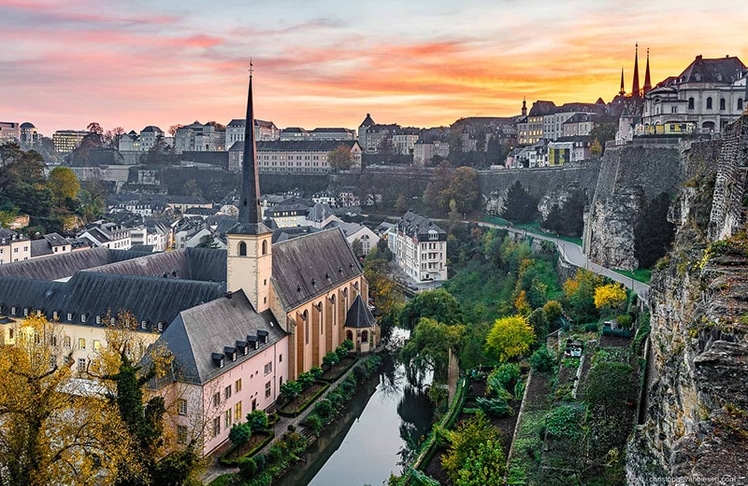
(240, 322)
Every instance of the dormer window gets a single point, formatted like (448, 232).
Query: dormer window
(13, 310)
(55, 315)
(252, 341)
(84, 318)
(25, 311)
(243, 347)
(230, 352)
(70, 316)
(144, 324)
(262, 335)
(218, 359)
(98, 319)
(160, 326)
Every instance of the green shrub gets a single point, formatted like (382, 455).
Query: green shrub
(624, 321)
(316, 372)
(324, 410)
(331, 359)
(503, 376)
(496, 407)
(360, 372)
(314, 423)
(563, 422)
(542, 360)
(240, 434)
(335, 398)
(247, 468)
(290, 390)
(257, 420)
(342, 352)
(592, 327)
(348, 345)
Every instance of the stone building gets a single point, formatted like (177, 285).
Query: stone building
(420, 248)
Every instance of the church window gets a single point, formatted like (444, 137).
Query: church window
(709, 103)
(364, 336)
(740, 103)
(722, 104)
(264, 247)
(242, 249)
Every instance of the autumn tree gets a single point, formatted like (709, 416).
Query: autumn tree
(475, 456)
(463, 189)
(429, 346)
(437, 304)
(610, 296)
(56, 430)
(63, 183)
(579, 295)
(434, 195)
(340, 158)
(509, 338)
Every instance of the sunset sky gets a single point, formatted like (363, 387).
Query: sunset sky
(65, 63)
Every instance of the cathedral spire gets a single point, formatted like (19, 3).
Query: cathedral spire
(250, 221)
(647, 79)
(622, 91)
(635, 89)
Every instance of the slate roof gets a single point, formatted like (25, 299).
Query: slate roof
(540, 108)
(359, 316)
(209, 328)
(308, 266)
(417, 226)
(149, 299)
(368, 121)
(721, 70)
(217, 158)
(64, 265)
(303, 145)
(319, 213)
(40, 248)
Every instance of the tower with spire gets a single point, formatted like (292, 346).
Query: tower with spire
(647, 78)
(249, 255)
(635, 92)
(622, 91)
(524, 107)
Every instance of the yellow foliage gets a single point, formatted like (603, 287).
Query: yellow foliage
(509, 337)
(610, 296)
(521, 304)
(571, 287)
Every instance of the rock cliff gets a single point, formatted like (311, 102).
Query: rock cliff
(695, 430)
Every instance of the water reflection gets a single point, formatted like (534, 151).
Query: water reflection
(383, 424)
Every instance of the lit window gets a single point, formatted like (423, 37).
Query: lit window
(82, 343)
(238, 385)
(97, 345)
(238, 412)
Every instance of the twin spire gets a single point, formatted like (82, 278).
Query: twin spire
(636, 91)
(250, 220)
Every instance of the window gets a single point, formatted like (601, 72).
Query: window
(98, 319)
(268, 367)
(227, 392)
(181, 434)
(264, 247)
(740, 103)
(66, 341)
(267, 390)
(238, 386)
(97, 345)
(182, 406)
(227, 419)
(83, 318)
(81, 364)
(216, 399)
(242, 249)
(11, 332)
(673, 109)
(237, 412)
(70, 316)
(280, 358)
(709, 103)
(216, 426)
(722, 104)
(53, 341)
(82, 343)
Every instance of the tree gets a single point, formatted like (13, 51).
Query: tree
(485, 464)
(53, 428)
(340, 158)
(173, 129)
(571, 216)
(509, 337)
(610, 296)
(64, 184)
(519, 205)
(429, 345)
(240, 434)
(192, 188)
(257, 420)
(474, 440)
(604, 132)
(653, 233)
(208, 241)
(579, 295)
(438, 305)
(358, 248)
(463, 189)
(401, 205)
(552, 221)
(434, 195)
(94, 127)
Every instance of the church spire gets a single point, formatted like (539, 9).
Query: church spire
(635, 89)
(622, 91)
(647, 79)
(250, 222)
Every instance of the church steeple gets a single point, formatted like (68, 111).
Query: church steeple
(635, 89)
(250, 222)
(524, 107)
(622, 91)
(647, 79)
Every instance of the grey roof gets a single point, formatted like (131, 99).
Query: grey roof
(40, 248)
(152, 128)
(55, 239)
(308, 266)
(417, 226)
(27, 125)
(359, 315)
(143, 248)
(368, 121)
(303, 145)
(319, 213)
(540, 108)
(220, 159)
(147, 298)
(200, 264)
(209, 328)
(721, 70)
(64, 265)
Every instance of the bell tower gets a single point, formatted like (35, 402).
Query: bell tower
(250, 264)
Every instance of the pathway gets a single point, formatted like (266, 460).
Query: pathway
(572, 253)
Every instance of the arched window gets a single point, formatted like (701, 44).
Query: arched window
(722, 105)
(242, 249)
(349, 335)
(740, 103)
(264, 247)
(364, 336)
(709, 103)
(690, 103)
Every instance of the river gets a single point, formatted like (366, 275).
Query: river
(363, 446)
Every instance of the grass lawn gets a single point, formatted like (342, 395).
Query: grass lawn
(533, 227)
(643, 275)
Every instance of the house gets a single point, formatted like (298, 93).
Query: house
(264, 130)
(107, 235)
(569, 149)
(360, 232)
(14, 247)
(420, 248)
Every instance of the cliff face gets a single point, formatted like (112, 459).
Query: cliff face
(630, 175)
(695, 430)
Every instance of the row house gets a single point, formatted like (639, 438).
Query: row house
(14, 247)
(569, 149)
(9, 132)
(404, 139)
(371, 135)
(420, 248)
(707, 95)
(108, 235)
(423, 152)
(154, 234)
(197, 137)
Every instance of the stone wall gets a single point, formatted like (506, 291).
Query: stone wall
(630, 176)
(695, 425)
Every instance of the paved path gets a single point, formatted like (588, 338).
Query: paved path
(572, 253)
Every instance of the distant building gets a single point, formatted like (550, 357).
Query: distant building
(371, 135)
(420, 248)
(569, 149)
(29, 135)
(404, 139)
(9, 132)
(14, 247)
(423, 152)
(295, 156)
(197, 137)
(65, 141)
(107, 235)
(324, 133)
(265, 131)
(705, 97)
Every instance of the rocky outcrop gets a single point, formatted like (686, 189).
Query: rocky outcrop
(695, 430)
(630, 175)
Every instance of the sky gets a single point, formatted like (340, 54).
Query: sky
(65, 63)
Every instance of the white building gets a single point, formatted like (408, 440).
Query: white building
(265, 131)
(197, 137)
(424, 152)
(294, 156)
(405, 140)
(420, 248)
(108, 235)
